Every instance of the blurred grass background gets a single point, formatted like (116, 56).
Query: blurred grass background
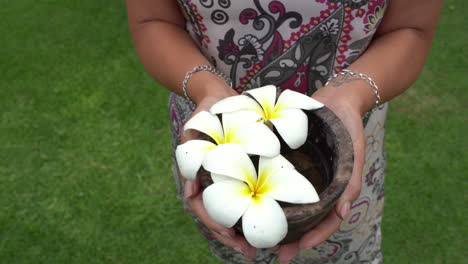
(85, 146)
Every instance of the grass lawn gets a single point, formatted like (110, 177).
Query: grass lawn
(85, 156)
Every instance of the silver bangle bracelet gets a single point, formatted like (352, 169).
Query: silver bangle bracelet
(362, 76)
(189, 74)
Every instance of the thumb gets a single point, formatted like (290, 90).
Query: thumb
(353, 190)
(351, 193)
(192, 188)
(189, 134)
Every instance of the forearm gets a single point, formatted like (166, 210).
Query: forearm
(167, 53)
(393, 60)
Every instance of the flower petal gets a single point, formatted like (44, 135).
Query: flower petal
(291, 124)
(257, 139)
(233, 121)
(264, 223)
(267, 167)
(232, 161)
(190, 156)
(207, 123)
(265, 96)
(226, 201)
(219, 177)
(271, 165)
(235, 103)
(288, 185)
(292, 99)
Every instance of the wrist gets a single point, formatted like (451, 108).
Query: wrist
(205, 80)
(349, 91)
(205, 84)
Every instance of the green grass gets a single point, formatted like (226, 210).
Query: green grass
(426, 202)
(85, 156)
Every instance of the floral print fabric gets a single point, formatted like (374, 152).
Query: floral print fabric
(294, 44)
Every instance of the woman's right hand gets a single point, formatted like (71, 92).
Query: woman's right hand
(193, 190)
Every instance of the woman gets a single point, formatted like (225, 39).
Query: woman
(295, 45)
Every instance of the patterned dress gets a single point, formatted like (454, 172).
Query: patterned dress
(297, 45)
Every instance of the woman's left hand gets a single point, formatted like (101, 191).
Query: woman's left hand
(193, 189)
(350, 115)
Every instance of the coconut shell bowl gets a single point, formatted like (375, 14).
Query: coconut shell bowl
(326, 160)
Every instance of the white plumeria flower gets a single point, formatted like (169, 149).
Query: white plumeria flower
(239, 127)
(238, 192)
(285, 114)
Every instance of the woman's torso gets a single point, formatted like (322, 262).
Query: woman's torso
(295, 44)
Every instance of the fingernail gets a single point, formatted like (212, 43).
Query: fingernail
(188, 189)
(345, 210)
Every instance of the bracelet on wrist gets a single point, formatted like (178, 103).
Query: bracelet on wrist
(199, 68)
(362, 76)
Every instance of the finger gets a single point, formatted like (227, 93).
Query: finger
(288, 252)
(275, 248)
(353, 190)
(190, 134)
(321, 232)
(198, 209)
(204, 105)
(238, 243)
(225, 235)
(350, 194)
(192, 188)
(249, 251)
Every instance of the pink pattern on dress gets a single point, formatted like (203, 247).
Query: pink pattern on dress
(205, 40)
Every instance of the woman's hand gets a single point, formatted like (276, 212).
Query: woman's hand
(349, 113)
(192, 189)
